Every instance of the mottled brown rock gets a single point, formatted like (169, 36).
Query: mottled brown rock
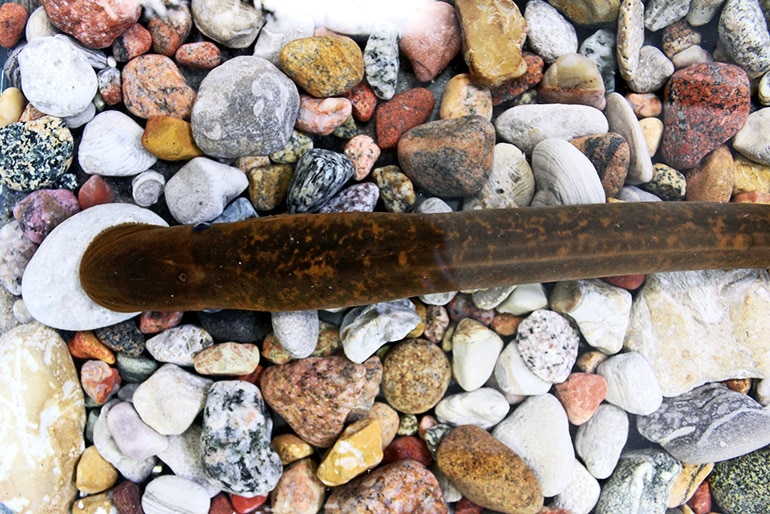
(515, 87)
(610, 155)
(493, 35)
(95, 23)
(487, 472)
(154, 86)
(403, 112)
(712, 179)
(170, 31)
(572, 79)
(323, 65)
(588, 12)
(298, 491)
(13, 18)
(133, 42)
(415, 376)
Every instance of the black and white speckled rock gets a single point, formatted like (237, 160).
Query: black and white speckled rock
(434, 435)
(743, 32)
(740, 485)
(318, 176)
(35, 153)
(667, 183)
(381, 60)
(123, 337)
(237, 455)
(298, 144)
(245, 106)
(640, 483)
(356, 198)
(548, 344)
(711, 423)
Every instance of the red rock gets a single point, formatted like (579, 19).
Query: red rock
(135, 41)
(752, 197)
(153, 86)
(99, 380)
(519, 85)
(127, 498)
(403, 112)
(110, 85)
(95, 191)
(580, 395)
(430, 40)
(322, 115)
(465, 506)
(204, 55)
(42, 210)
(462, 307)
(13, 19)
(628, 282)
(645, 105)
(363, 100)
(700, 502)
(154, 322)
(96, 23)
(704, 105)
(221, 504)
(406, 448)
(243, 505)
(170, 31)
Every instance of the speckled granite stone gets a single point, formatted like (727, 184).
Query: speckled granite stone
(739, 485)
(319, 175)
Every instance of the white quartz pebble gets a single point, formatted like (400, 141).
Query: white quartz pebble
(524, 299)
(297, 331)
(112, 146)
(132, 435)
(178, 345)
(475, 349)
(512, 376)
(170, 494)
(365, 329)
(133, 469)
(581, 494)
(483, 407)
(600, 440)
(147, 187)
(631, 383)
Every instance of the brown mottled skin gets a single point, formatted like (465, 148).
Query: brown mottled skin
(314, 261)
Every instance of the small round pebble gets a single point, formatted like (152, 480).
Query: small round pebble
(548, 344)
(173, 492)
(13, 18)
(415, 376)
(396, 190)
(147, 187)
(297, 331)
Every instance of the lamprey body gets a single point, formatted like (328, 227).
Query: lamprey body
(316, 261)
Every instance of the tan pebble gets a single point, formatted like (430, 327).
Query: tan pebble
(652, 130)
(396, 190)
(298, 491)
(572, 79)
(752, 197)
(97, 504)
(426, 422)
(588, 12)
(291, 448)
(358, 449)
(364, 152)
(30, 113)
(415, 376)
(763, 89)
(170, 139)
(712, 179)
(94, 474)
(229, 359)
(12, 104)
(420, 309)
(268, 184)
(589, 361)
(750, 176)
(462, 98)
(323, 65)
(388, 419)
(739, 385)
(505, 324)
(645, 104)
(687, 482)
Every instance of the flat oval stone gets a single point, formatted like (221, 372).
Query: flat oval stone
(175, 494)
(415, 376)
(112, 146)
(475, 350)
(381, 60)
(752, 140)
(549, 34)
(358, 448)
(601, 439)
(588, 12)
(323, 65)
(179, 345)
(743, 32)
(484, 407)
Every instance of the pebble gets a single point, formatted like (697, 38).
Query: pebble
(610, 155)
(462, 98)
(493, 35)
(727, 313)
(12, 103)
(744, 35)
(527, 125)
(581, 495)
(704, 105)
(347, 130)
(659, 14)
(131, 469)
(43, 209)
(322, 116)
(170, 493)
(403, 112)
(134, 437)
(35, 153)
(668, 183)
(227, 359)
(693, 55)
(752, 139)
(93, 504)
(580, 395)
(16, 250)
(652, 131)
(245, 464)
(487, 472)
(234, 25)
(564, 175)
(179, 345)
(201, 189)
(572, 79)
(154, 86)
(13, 18)
(170, 400)
(297, 331)
(110, 84)
(315, 395)
(600, 48)
(203, 55)
(702, 11)
(356, 198)
(690, 484)
(133, 42)
(511, 183)
(711, 180)
(268, 184)
(408, 448)
(538, 431)
(298, 144)
(170, 30)
(358, 449)
(548, 344)
(95, 24)
(381, 61)
(363, 100)
(111, 146)
(490, 298)
(630, 37)
(99, 380)
(514, 89)
(123, 337)
(475, 350)
(622, 120)
(318, 175)
(449, 157)
(388, 419)
(396, 189)
(126, 497)
(711, 423)
(298, 491)
(641, 482)
(43, 429)
(653, 70)
(363, 152)
(85, 345)
(291, 448)
(524, 299)
(645, 105)
(398, 488)
(183, 457)
(170, 139)
(600, 440)
(750, 176)
(365, 329)
(323, 66)
(763, 89)
(94, 474)
(430, 39)
(589, 12)
(223, 128)
(281, 28)
(631, 383)
(416, 374)
(147, 187)
(549, 34)
(513, 377)
(738, 485)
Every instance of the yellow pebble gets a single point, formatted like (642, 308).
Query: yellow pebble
(97, 504)
(170, 139)
(12, 104)
(358, 449)
(463, 98)
(291, 448)
(94, 474)
(652, 128)
(750, 176)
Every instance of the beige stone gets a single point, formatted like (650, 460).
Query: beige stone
(227, 359)
(750, 176)
(493, 35)
(41, 405)
(388, 419)
(94, 474)
(462, 98)
(652, 130)
(268, 184)
(12, 104)
(298, 491)
(687, 482)
(712, 179)
(588, 12)
(291, 448)
(358, 449)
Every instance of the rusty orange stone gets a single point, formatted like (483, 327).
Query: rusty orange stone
(85, 345)
(153, 322)
(99, 380)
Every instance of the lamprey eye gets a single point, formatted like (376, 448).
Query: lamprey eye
(182, 277)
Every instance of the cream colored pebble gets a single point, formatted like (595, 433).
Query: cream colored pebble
(12, 104)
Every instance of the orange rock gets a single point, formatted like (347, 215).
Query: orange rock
(85, 345)
(712, 179)
(154, 86)
(752, 197)
(580, 395)
(323, 65)
(13, 18)
(403, 112)
(244, 505)
(95, 191)
(99, 380)
(203, 55)
(170, 139)
(363, 100)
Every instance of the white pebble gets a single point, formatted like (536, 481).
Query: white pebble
(753, 140)
(147, 187)
(170, 494)
(548, 33)
(178, 345)
(132, 469)
(112, 146)
(513, 377)
(600, 440)
(483, 407)
(581, 494)
(132, 435)
(564, 175)
(475, 350)
(622, 120)
(548, 344)
(365, 329)
(183, 457)
(524, 299)
(631, 383)
(297, 331)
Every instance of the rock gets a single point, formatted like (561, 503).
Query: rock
(223, 128)
(396, 190)
(641, 482)
(752, 140)
(510, 184)
(176, 494)
(13, 18)
(588, 12)
(135, 470)
(94, 474)
(268, 184)
(493, 34)
(298, 143)
(127, 498)
(652, 129)
(315, 395)
(600, 48)
(704, 105)
(702, 11)
(381, 60)
(134, 437)
(659, 14)
(630, 37)
(737, 485)
(415, 376)
(281, 28)
(201, 189)
(610, 155)
(318, 175)
(40, 212)
(744, 35)
(171, 29)
(524, 299)
(183, 457)
(358, 449)
(112, 146)
(322, 116)
(487, 472)
(580, 395)
(363, 100)
(291, 448)
(99, 380)
(514, 89)
(728, 305)
(96, 24)
(403, 112)
(572, 79)
(690, 483)
(365, 329)
(363, 152)
(763, 90)
(178, 345)
(621, 119)
(133, 42)
(43, 429)
(229, 359)
(298, 491)
(323, 65)
(668, 183)
(527, 125)
(678, 37)
(512, 375)
(600, 310)
(564, 176)
(490, 298)
(12, 103)
(711, 423)
(462, 98)
(170, 400)
(711, 180)
(645, 105)
(154, 86)
(451, 157)
(549, 34)
(122, 337)
(232, 24)
(16, 250)
(147, 187)
(236, 455)
(430, 39)
(170, 139)
(653, 70)
(538, 431)
(399, 488)
(356, 198)
(475, 349)
(110, 84)
(297, 331)
(631, 383)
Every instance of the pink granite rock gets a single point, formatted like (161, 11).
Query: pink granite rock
(580, 395)
(135, 41)
(40, 212)
(431, 39)
(322, 115)
(153, 86)
(13, 18)
(95, 23)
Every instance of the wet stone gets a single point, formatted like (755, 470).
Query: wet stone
(204, 55)
(110, 85)
(600, 48)
(739, 484)
(171, 30)
(365, 329)
(13, 18)
(416, 374)
(396, 189)
(548, 344)
(319, 174)
(381, 60)
(154, 86)
(233, 24)
(235, 325)
(298, 144)
(323, 65)
(123, 337)
(178, 345)
(95, 23)
(356, 198)
(610, 155)
(403, 112)
(43, 210)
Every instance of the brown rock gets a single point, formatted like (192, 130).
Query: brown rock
(323, 65)
(404, 111)
(153, 86)
(493, 34)
(610, 155)
(94, 474)
(135, 41)
(572, 79)
(13, 18)
(298, 491)
(268, 185)
(712, 179)
(127, 498)
(95, 23)
(677, 37)
(431, 39)
(487, 472)
(515, 87)
(451, 157)
(588, 12)
(408, 447)
(462, 98)
(415, 376)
